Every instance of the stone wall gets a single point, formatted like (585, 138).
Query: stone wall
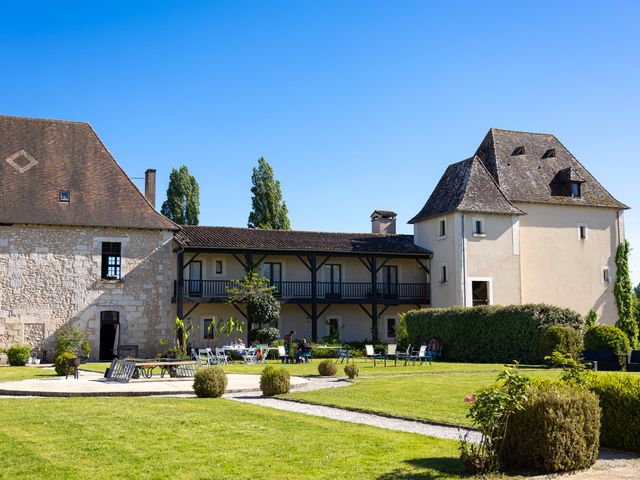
(50, 276)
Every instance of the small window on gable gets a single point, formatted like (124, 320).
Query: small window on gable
(444, 274)
(576, 190)
(551, 153)
(518, 151)
(605, 274)
(219, 268)
(64, 196)
(478, 227)
(442, 228)
(582, 231)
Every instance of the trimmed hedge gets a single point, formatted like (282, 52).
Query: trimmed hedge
(18, 355)
(606, 337)
(620, 402)
(490, 334)
(327, 368)
(210, 382)
(274, 381)
(557, 431)
(560, 338)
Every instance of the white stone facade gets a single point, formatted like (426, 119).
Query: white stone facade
(50, 276)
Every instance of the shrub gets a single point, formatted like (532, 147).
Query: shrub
(274, 381)
(620, 402)
(591, 319)
(493, 334)
(562, 339)
(557, 430)
(69, 339)
(210, 382)
(351, 371)
(265, 336)
(607, 337)
(18, 355)
(61, 362)
(263, 308)
(327, 368)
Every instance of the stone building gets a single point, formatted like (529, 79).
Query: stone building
(79, 243)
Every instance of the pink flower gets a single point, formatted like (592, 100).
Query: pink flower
(470, 399)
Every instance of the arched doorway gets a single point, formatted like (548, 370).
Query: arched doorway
(109, 334)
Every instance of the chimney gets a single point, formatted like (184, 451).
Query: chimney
(150, 186)
(383, 221)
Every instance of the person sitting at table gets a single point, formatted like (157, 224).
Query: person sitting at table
(288, 340)
(304, 349)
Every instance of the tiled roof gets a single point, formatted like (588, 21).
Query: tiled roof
(531, 178)
(39, 158)
(384, 213)
(466, 186)
(258, 239)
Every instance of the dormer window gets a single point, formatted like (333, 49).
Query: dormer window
(551, 153)
(576, 189)
(64, 196)
(518, 151)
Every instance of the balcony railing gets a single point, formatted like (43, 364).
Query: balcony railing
(325, 290)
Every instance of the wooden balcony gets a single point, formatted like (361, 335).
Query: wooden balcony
(215, 291)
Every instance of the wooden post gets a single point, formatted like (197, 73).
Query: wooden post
(313, 261)
(374, 299)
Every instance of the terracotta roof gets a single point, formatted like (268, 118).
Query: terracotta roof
(258, 239)
(466, 186)
(384, 213)
(39, 158)
(531, 177)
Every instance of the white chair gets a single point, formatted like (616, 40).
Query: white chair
(264, 355)
(201, 356)
(221, 357)
(391, 353)
(371, 353)
(250, 355)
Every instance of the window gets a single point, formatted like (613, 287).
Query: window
(219, 269)
(209, 329)
(64, 196)
(195, 278)
(518, 151)
(111, 258)
(333, 326)
(273, 273)
(583, 231)
(388, 280)
(391, 328)
(478, 227)
(551, 153)
(443, 273)
(479, 292)
(605, 274)
(333, 278)
(442, 226)
(576, 189)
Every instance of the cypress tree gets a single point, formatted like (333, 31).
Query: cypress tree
(268, 210)
(623, 292)
(183, 198)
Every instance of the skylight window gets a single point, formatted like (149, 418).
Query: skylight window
(518, 151)
(551, 153)
(64, 196)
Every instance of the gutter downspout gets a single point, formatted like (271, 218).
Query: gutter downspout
(464, 265)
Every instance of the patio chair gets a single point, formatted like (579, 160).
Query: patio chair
(250, 356)
(403, 354)
(205, 355)
(282, 354)
(372, 354)
(262, 353)
(422, 355)
(391, 354)
(343, 353)
(200, 356)
(221, 357)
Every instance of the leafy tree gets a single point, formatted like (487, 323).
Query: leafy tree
(623, 292)
(183, 198)
(256, 293)
(268, 210)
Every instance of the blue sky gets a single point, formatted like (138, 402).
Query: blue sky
(357, 105)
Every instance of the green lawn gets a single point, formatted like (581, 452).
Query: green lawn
(366, 367)
(428, 397)
(160, 438)
(24, 373)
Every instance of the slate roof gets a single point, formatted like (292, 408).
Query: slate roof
(532, 178)
(466, 186)
(38, 158)
(232, 238)
(539, 175)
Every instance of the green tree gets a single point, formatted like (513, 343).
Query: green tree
(623, 292)
(183, 198)
(263, 308)
(268, 210)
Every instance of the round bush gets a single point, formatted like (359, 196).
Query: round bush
(274, 381)
(266, 336)
(607, 337)
(327, 368)
(558, 430)
(351, 371)
(562, 339)
(61, 362)
(210, 382)
(18, 355)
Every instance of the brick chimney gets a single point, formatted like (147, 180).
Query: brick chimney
(150, 186)
(383, 221)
